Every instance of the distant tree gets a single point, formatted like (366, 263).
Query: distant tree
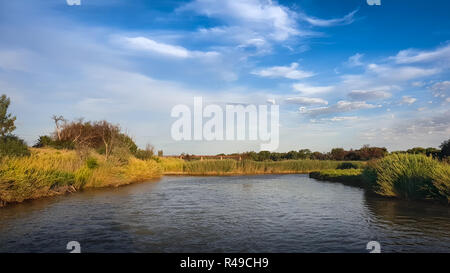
(353, 155)
(319, 156)
(6, 120)
(160, 153)
(432, 151)
(445, 148)
(338, 154)
(263, 155)
(304, 154)
(416, 150)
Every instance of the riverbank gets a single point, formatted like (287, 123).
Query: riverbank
(49, 172)
(352, 177)
(174, 166)
(401, 176)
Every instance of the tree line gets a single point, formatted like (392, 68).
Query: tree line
(107, 139)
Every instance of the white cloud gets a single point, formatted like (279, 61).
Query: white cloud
(441, 90)
(146, 44)
(416, 56)
(348, 118)
(340, 107)
(347, 19)
(355, 60)
(403, 73)
(260, 16)
(307, 101)
(289, 72)
(308, 89)
(362, 95)
(408, 100)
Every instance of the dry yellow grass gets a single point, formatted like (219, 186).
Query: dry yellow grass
(48, 172)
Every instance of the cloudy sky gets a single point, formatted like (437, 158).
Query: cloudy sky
(344, 73)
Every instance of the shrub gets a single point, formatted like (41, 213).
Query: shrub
(347, 165)
(13, 146)
(47, 141)
(145, 154)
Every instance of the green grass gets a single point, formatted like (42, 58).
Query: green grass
(409, 176)
(346, 176)
(232, 167)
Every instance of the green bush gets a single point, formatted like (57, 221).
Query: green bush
(347, 165)
(47, 141)
(13, 146)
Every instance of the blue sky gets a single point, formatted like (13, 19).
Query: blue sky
(344, 73)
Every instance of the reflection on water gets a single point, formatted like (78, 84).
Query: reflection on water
(275, 213)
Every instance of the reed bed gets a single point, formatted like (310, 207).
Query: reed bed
(48, 172)
(233, 167)
(409, 176)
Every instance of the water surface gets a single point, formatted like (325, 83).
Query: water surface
(271, 213)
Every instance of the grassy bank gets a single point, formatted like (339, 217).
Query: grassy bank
(349, 176)
(403, 176)
(233, 167)
(48, 172)
(408, 176)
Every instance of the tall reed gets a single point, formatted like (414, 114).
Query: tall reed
(409, 176)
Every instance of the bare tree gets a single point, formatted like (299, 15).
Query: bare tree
(58, 120)
(108, 133)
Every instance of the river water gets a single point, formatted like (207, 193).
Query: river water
(269, 213)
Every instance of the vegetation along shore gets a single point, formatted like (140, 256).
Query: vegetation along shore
(90, 154)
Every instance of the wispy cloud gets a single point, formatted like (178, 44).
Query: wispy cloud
(340, 107)
(420, 56)
(355, 60)
(363, 95)
(306, 101)
(408, 100)
(441, 90)
(347, 19)
(289, 72)
(309, 89)
(149, 45)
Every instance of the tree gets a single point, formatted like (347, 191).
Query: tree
(445, 148)
(108, 134)
(338, 154)
(58, 125)
(6, 120)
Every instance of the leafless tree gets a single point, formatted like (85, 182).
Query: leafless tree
(59, 121)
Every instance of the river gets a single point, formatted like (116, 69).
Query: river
(267, 213)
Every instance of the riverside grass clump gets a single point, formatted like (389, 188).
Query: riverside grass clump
(233, 167)
(409, 176)
(346, 176)
(48, 172)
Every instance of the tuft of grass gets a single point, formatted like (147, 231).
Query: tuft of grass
(409, 176)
